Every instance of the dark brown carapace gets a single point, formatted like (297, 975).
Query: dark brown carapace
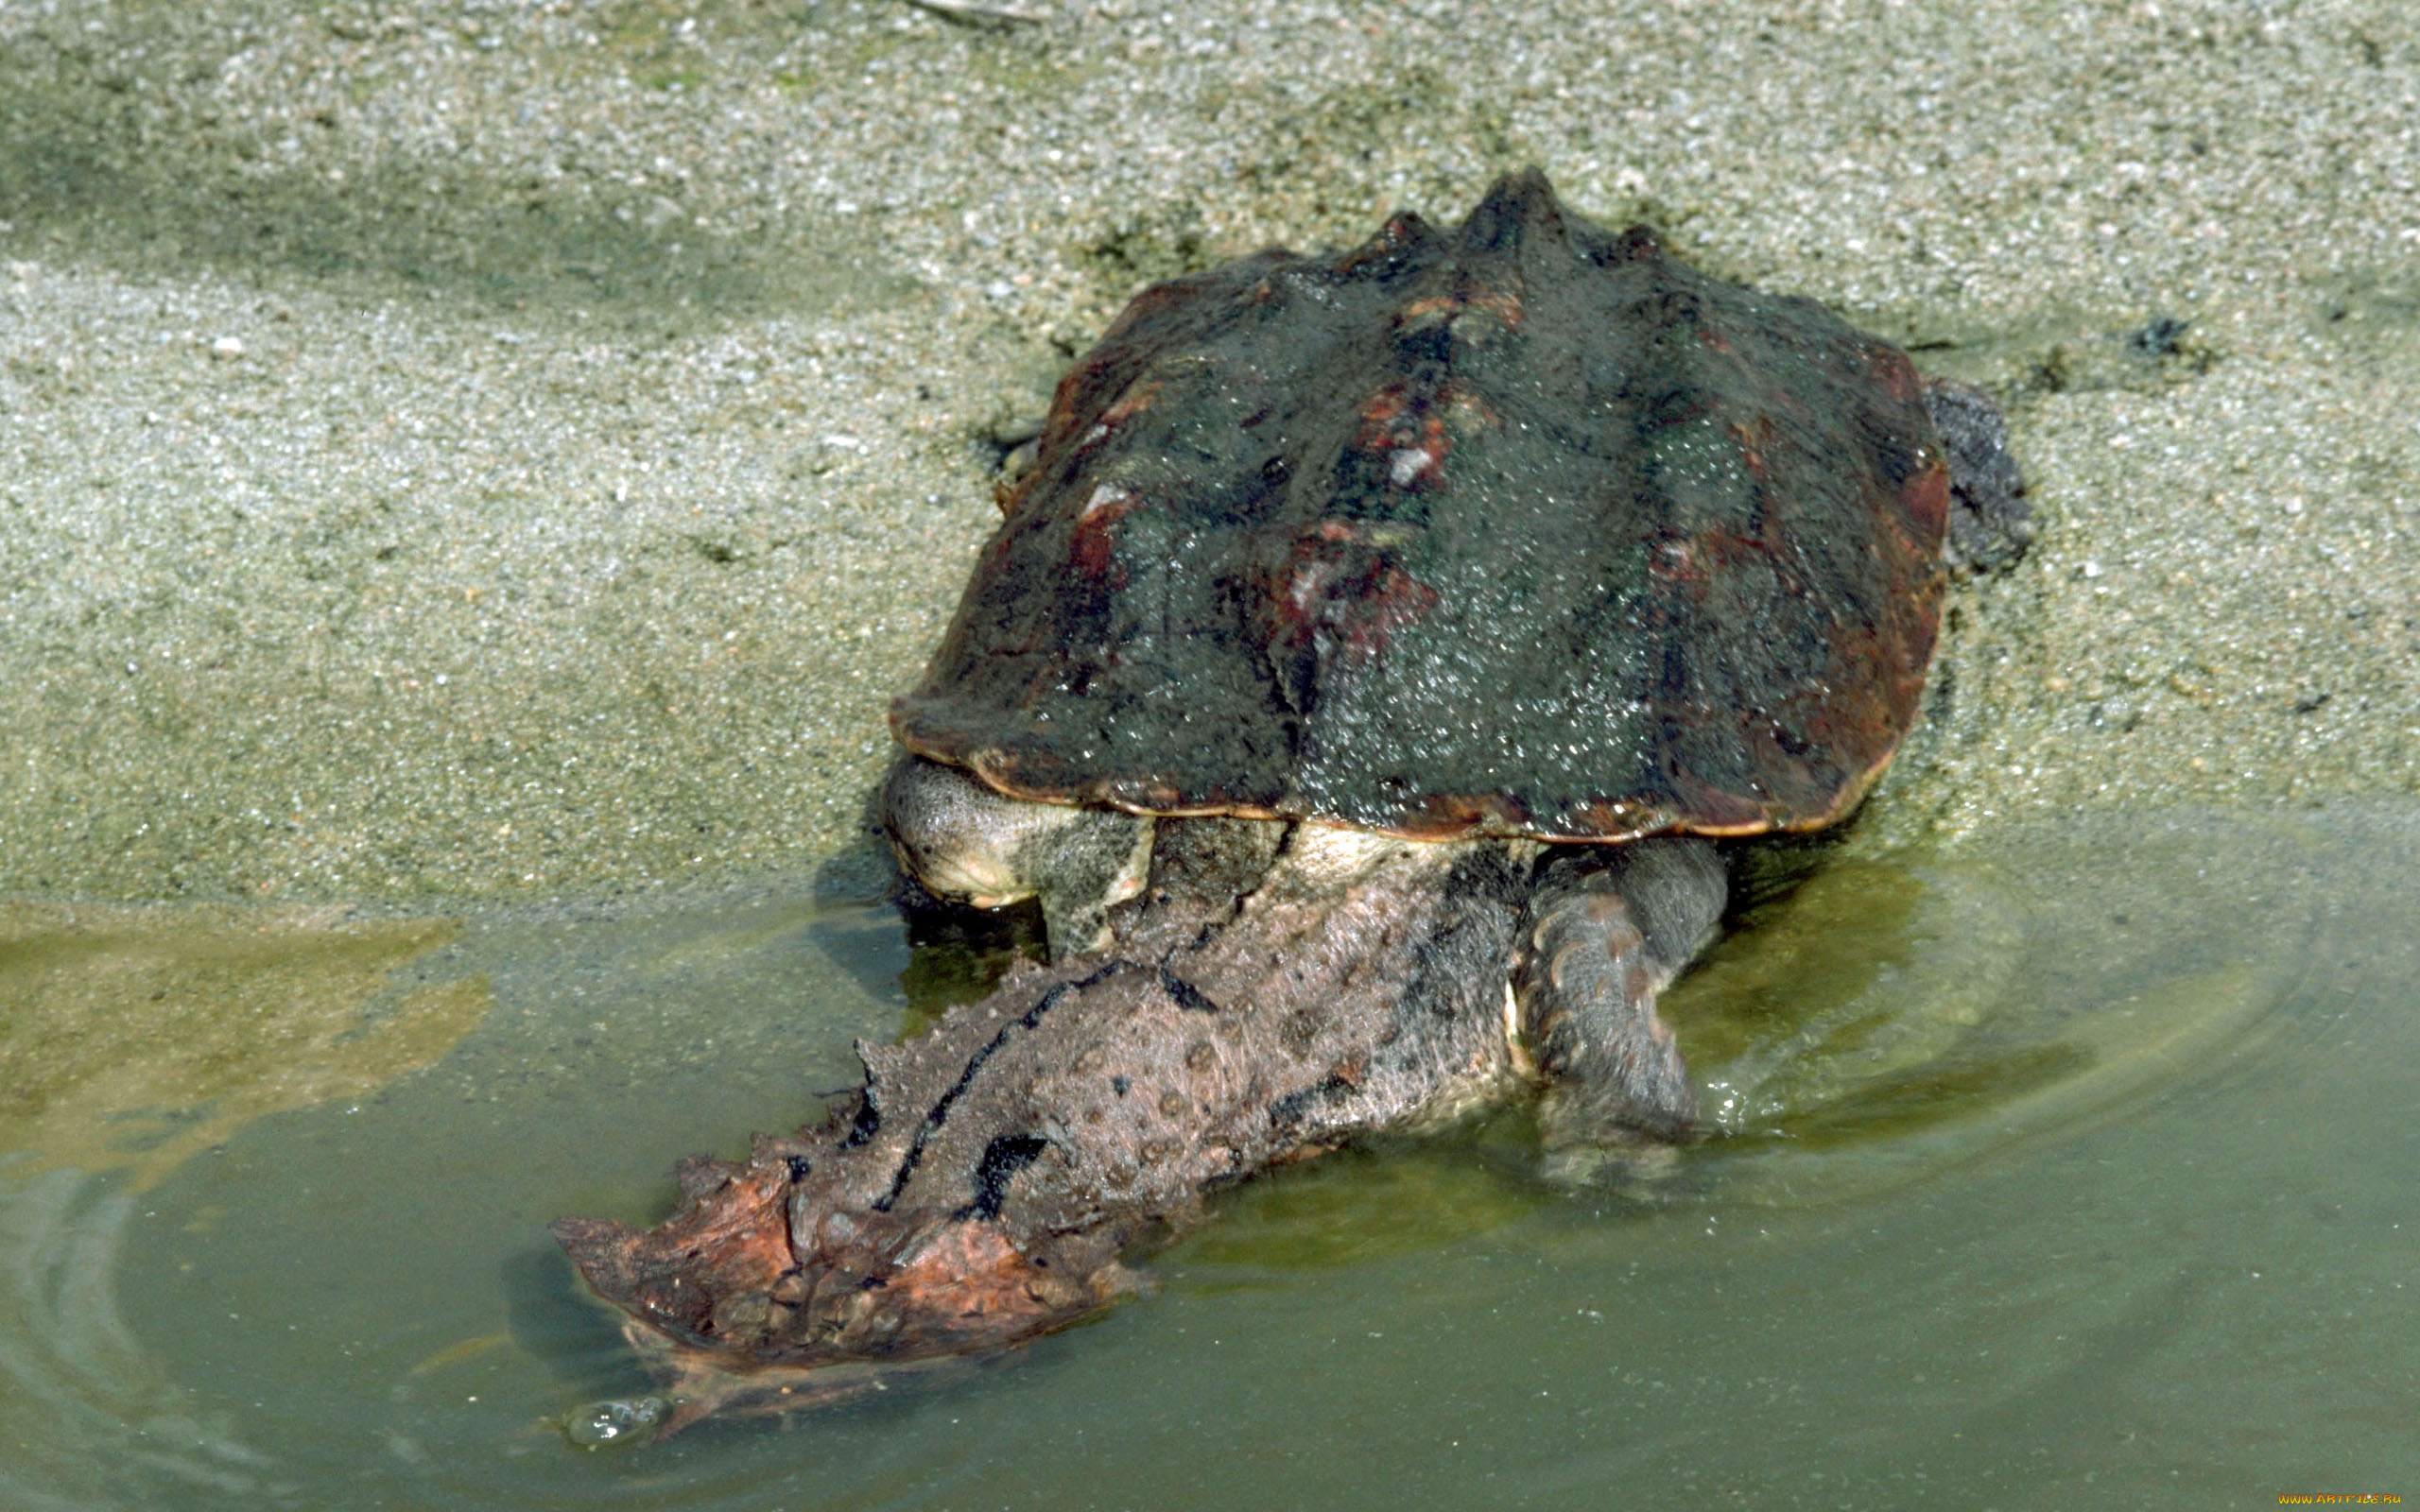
(1520, 529)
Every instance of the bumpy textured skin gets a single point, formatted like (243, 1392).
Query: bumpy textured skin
(1990, 523)
(960, 839)
(1520, 529)
(982, 1187)
(1521, 533)
(1608, 928)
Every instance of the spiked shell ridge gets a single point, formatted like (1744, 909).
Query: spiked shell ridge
(1523, 530)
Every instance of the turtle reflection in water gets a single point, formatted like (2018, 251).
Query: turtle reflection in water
(1359, 679)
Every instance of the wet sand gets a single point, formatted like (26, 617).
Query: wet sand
(515, 451)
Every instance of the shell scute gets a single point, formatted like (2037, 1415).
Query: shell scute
(1523, 528)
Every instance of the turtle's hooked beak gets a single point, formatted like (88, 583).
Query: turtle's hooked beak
(771, 1291)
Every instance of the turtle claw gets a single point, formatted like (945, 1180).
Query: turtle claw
(1636, 1168)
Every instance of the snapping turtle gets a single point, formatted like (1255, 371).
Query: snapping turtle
(1525, 533)
(1359, 678)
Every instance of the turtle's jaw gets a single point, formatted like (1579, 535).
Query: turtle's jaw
(700, 1383)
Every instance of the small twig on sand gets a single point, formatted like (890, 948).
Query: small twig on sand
(981, 13)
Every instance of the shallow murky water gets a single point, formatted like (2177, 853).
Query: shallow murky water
(2070, 1169)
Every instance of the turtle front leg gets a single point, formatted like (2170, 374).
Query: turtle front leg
(963, 841)
(1607, 929)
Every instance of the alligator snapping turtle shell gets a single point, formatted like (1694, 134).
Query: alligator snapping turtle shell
(1521, 530)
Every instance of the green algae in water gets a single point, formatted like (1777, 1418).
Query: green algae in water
(139, 1037)
(1898, 1014)
(131, 1041)
(960, 955)
(2163, 1242)
(1365, 1204)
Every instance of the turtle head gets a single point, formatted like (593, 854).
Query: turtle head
(773, 1289)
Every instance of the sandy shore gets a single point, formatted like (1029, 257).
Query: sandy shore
(517, 449)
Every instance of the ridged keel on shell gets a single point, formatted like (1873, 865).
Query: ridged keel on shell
(1523, 530)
